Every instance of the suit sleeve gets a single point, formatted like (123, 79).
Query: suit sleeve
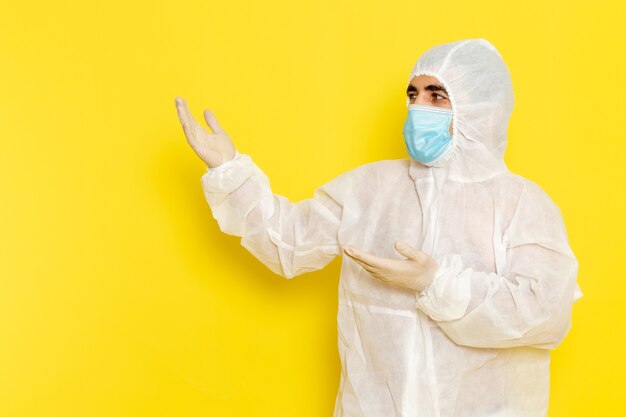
(529, 303)
(290, 238)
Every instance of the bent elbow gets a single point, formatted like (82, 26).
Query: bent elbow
(555, 333)
(547, 334)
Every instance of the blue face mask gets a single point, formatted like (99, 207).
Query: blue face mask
(426, 132)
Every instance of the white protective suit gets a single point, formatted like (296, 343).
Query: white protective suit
(477, 341)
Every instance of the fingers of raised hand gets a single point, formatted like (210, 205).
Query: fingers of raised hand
(183, 111)
(211, 120)
(191, 127)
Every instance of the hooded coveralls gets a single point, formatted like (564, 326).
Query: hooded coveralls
(477, 341)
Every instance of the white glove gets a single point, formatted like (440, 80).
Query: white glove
(213, 148)
(415, 273)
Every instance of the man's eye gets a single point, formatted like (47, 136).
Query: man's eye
(411, 96)
(439, 95)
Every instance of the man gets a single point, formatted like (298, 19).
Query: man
(458, 278)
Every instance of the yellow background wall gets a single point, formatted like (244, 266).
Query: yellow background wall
(119, 295)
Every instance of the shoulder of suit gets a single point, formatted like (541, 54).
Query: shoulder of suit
(369, 175)
(529, 189)
(383, 167)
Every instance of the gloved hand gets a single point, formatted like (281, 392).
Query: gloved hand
(415, 273)
(213, 148)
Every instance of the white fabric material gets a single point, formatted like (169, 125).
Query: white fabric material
(476, 342)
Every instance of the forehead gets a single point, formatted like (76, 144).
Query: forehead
(424, 80)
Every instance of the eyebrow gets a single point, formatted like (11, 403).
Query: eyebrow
(430, 87)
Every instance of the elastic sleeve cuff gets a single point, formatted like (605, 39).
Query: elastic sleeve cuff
(227, 177)
(224, 165)
(449, 294)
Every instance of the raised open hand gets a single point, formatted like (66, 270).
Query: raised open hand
(213, 148)
(414, 273)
